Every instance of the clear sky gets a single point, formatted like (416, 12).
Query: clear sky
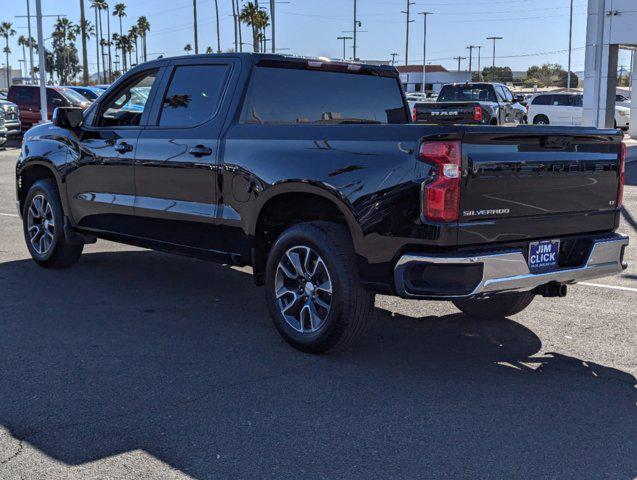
(534, 31)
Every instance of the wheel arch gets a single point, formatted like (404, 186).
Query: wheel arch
(32, 171)
(289, 203)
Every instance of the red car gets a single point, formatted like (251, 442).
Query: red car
(27, 98)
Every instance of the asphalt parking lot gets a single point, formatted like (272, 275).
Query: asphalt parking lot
(136, 364)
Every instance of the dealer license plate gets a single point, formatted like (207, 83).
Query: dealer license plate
(543, 255)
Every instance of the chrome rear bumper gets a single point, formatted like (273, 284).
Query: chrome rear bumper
(509, 271)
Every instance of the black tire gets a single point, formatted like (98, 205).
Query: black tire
(541, 120)
(496, 307)
(60, 252)
(350, 305)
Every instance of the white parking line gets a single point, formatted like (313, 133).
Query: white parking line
(8, 214)
(611, 287)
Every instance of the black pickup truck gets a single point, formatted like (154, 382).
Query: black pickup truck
(312, 173)
(472, 104)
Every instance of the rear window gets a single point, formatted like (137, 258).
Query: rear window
(73, 97)
(291, 96)
(466, 93)
(543, 100)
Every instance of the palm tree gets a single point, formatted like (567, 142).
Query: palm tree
(257, 19)
(143, 27)
(84, 40)
(23, 42)
(120, 11)
(188, 48)
(6, 31)
(133, 35)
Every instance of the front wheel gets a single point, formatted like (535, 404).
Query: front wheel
(496, 307)
(312, 288)
(43, 223)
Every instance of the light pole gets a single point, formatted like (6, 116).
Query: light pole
(424, 51)
(42, 63)
(344, 38)
(32, 75)
(570, 46)
(493, 66)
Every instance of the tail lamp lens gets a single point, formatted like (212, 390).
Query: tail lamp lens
(622, 175)
(413, 113)
(441, 196)
(478, 113)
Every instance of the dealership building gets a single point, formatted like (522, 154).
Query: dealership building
(611, 27)
(435, 76)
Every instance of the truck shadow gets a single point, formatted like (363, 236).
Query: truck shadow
(138, 350)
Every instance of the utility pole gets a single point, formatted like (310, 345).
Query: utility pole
(357, 24)
(406, 12)
(470, 48)
(424, 51)
(459, 60)
(84, 42)
(570, 47)
(218, 31)
(42, 69)
(239, 25)
(194, 13)
(493, 66)
(234, 21)
(344, 38)
(393, 58)
(32, 75)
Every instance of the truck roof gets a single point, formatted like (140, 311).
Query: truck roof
(290, 61)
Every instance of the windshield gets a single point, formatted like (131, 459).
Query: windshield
(73, 97)
(466, 93)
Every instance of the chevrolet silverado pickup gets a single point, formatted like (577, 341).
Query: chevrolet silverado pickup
(312, 173)
(472, 104)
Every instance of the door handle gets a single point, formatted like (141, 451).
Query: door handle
(123, 147)
(200, 151)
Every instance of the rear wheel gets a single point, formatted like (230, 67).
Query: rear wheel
(496, 307)
(312, 288)
(540, 120)
(43, 224)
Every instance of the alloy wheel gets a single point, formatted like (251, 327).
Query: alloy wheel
(303, 289)
(40, 224)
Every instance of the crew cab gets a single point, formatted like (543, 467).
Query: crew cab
(471, 104)
(27, 98)
(330, 197)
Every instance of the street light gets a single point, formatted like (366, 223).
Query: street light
(424, 51)
(493, 67)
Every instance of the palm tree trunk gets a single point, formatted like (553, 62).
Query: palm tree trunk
(234, 18)
(6, 51)
(102, 47)
(121, 36)
(108, 31)
(239, 27)
(97, 45)
(194, 13)
(218, 31)
(136, 54)
(84, 54)
(255, 39)
(145, 52)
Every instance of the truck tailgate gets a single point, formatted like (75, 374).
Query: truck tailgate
(444, 113)
(534, 182)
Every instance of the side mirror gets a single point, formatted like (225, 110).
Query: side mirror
(68, 117)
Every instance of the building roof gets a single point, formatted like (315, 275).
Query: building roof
(418, 68)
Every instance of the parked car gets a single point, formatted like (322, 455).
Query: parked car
(11, 118)
(471, 104)
(566, 108)
(330, 197)
(3, 129)
(90, 93)
(27, 98)
(622, 101)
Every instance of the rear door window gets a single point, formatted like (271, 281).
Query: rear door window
(295, 96)
(543, 100)
(563, 100)
(25, 96)
(193, 96)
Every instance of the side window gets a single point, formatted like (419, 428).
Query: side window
(25, 96)
(562, 100)
(578, 100)
(53, 98)
(500, 93)
(507, 94)
(126, 107)
(543, 100)
(193, 95)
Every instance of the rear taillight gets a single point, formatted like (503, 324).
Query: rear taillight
(622, 175)
(478, 113)
(413, 113)
(441, 196)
